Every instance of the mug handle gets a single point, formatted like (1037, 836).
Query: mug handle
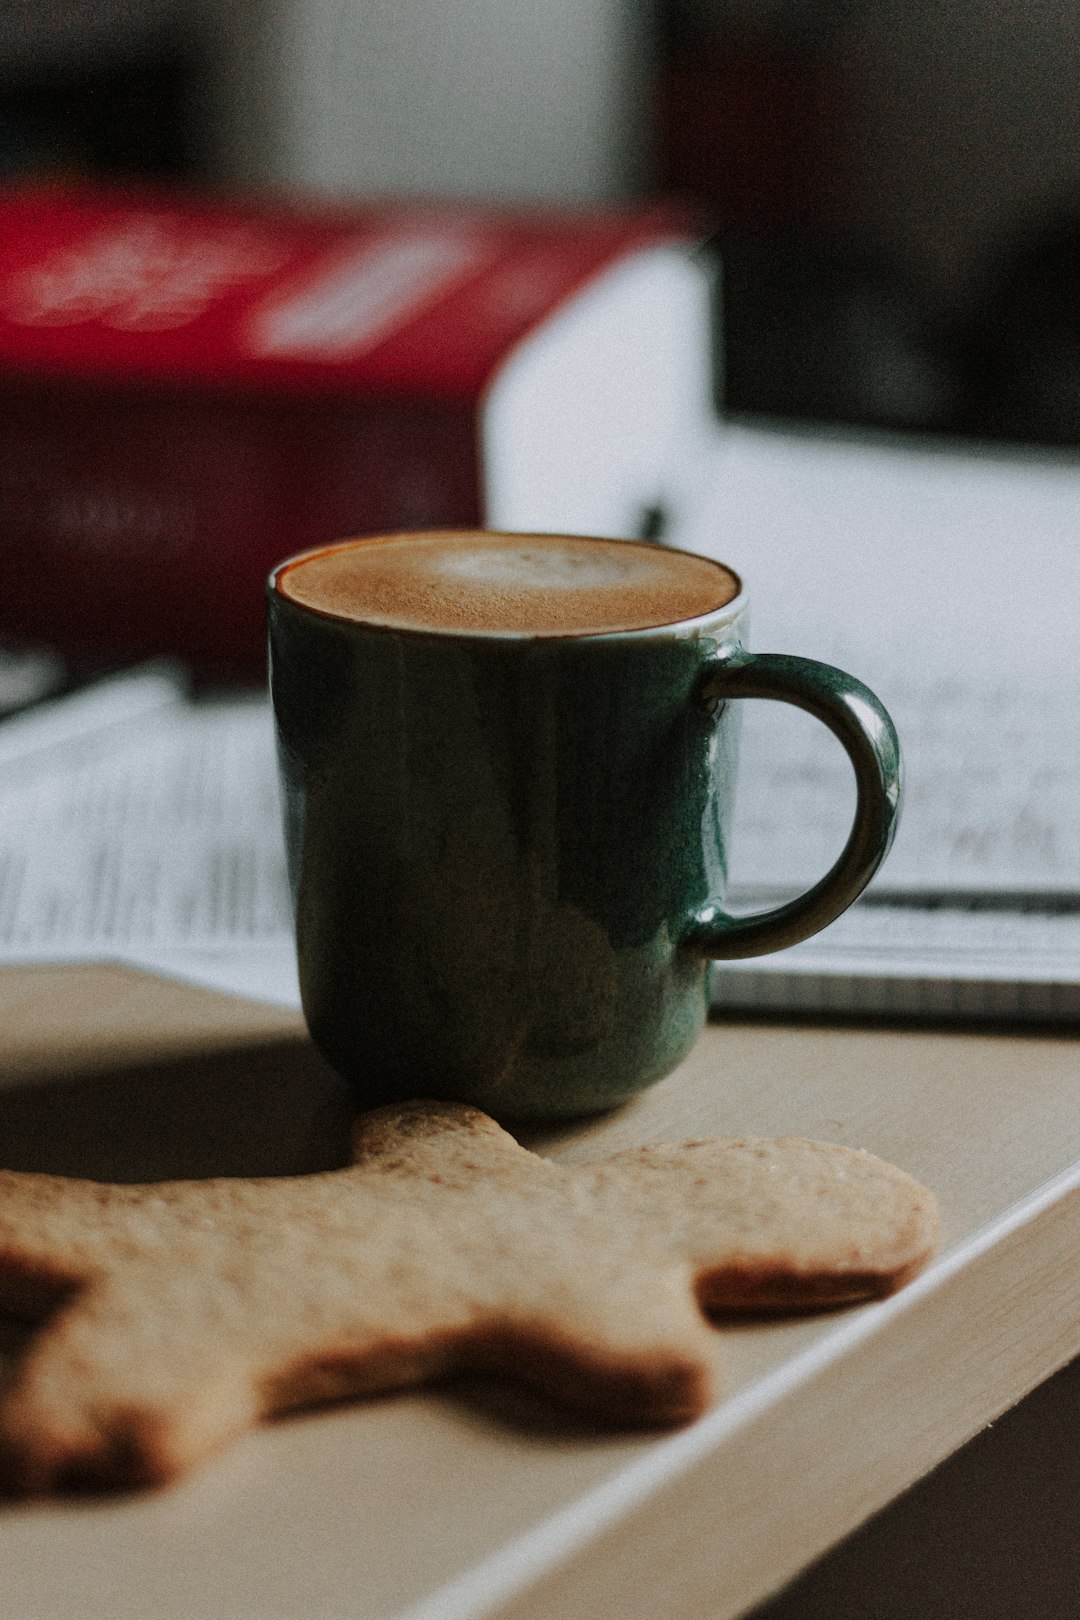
(854, 715)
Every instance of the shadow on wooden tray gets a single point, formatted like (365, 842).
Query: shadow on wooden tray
(121, 1076)
(265, 1110)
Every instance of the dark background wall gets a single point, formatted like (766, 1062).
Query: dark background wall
(894, 187)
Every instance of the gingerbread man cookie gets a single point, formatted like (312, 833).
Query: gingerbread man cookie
(184, 1312)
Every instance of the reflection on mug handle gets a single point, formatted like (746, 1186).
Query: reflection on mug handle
(854, 715)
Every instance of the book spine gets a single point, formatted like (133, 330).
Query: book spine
(138, 524)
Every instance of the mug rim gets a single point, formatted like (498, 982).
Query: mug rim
(718, 616)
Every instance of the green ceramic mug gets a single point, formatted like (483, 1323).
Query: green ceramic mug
(507, 767)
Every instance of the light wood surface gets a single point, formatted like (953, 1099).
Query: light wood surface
(468, 1503)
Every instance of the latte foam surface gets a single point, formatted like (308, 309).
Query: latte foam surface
(483, 583)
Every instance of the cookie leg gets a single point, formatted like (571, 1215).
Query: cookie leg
(108, 1399)
(628, 1349)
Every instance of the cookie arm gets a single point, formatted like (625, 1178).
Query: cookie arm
(52, 1235)
(780, 1224)
(630, 1348)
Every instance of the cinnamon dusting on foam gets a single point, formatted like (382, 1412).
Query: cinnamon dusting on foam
(521, 584)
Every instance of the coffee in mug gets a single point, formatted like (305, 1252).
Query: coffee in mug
(496, 584)
(508, 765)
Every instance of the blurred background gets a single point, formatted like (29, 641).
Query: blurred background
(894, 187)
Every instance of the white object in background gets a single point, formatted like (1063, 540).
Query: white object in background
(143, 829)
(93, 716)
(581, 429)
(160, 833)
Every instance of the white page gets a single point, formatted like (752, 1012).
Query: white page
(157, 834)
(949, 582)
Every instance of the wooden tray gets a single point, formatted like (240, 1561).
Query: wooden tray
(469, 1503)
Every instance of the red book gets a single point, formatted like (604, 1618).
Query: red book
(191, 390)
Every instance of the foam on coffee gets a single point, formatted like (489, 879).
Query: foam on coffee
(483, 583)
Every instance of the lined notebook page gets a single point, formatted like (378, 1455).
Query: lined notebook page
(949, 582)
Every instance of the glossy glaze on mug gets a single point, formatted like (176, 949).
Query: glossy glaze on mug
(508, 855)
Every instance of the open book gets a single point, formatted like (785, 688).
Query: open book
(137, 826)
